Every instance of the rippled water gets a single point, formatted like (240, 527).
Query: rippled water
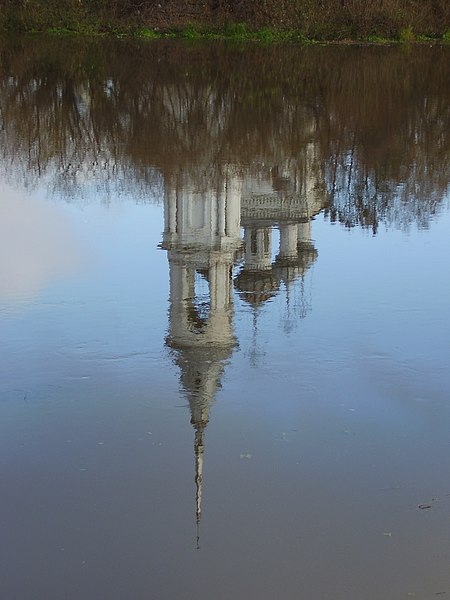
(225, 321)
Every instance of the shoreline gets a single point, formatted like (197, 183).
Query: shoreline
(240, 34)
(267, 21)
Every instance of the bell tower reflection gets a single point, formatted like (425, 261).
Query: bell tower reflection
(202, 237)
(204, 211)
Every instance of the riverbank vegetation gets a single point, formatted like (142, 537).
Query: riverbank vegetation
(263, 20)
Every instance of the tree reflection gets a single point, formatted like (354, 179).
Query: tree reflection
(80, 116)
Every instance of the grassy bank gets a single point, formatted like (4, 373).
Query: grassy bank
(261, 20)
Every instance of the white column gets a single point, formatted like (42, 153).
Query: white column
(304, 232)
(221, 207)
(170, 210)
(233, 208)
(288, 240)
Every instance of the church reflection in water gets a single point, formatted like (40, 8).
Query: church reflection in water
(204, 212)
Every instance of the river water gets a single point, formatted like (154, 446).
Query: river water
(224, 321)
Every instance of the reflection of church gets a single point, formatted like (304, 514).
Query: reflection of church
(203, 216)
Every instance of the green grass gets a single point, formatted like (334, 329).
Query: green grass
(147, 34)
(191, 33)
(59, 31)
(407, 34)
(404, 36)
(425, 38)
(236, 32)
(376, 39)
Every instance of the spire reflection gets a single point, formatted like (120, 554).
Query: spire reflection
(202, 239)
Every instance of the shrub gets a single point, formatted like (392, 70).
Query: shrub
(407, 34)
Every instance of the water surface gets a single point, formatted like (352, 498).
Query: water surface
(225, 321)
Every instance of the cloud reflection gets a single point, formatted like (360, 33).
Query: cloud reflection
(37, 246)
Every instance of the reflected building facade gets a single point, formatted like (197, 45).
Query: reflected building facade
(205, 212)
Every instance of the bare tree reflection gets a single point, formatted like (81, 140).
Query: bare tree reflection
(79, 116)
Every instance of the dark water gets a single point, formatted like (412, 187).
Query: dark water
(224, 321)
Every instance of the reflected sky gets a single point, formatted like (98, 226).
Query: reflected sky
(37, 246)
(224, 314)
